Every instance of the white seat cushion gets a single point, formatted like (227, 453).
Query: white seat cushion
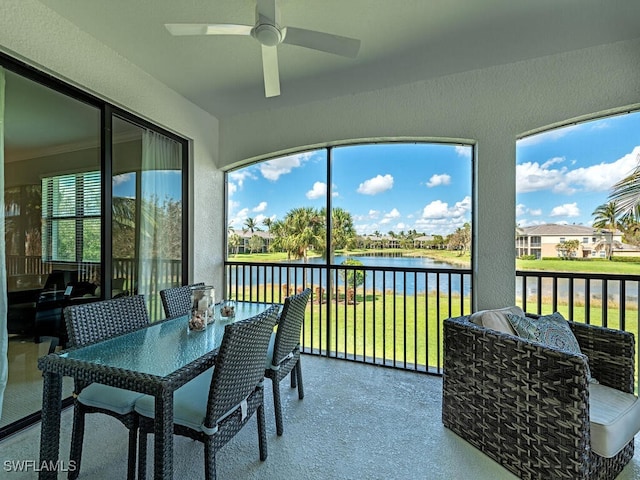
(272, 343)
(614, 417)
(189, 402)
(110, 398)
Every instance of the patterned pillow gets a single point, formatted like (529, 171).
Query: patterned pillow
(551, 330)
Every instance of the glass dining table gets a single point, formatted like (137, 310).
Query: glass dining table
(154, 360)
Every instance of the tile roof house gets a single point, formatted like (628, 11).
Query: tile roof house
(541, 240)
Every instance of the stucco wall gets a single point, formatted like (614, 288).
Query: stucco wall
(489, 107)
(31, 32)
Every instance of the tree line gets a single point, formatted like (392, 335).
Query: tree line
(304, 230)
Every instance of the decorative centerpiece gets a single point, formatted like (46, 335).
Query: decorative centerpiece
(202, 302)
(228, 311)
(197, 322)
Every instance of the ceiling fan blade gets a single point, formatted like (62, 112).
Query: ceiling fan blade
(267, 10)
(270, 71)
(325, 42)
(180, 29)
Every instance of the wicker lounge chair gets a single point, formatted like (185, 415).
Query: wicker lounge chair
(88, 323)
(284, 351)
(177, 300)
(215, 405)
(527, 406)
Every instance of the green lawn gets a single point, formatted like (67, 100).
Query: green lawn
(464, 261)
(378, 322)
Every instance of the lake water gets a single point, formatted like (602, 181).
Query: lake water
(429, 282)
(408, 282)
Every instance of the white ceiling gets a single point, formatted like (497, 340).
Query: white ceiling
(402, 41)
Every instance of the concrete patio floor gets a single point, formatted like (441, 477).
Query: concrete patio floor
(355, 422)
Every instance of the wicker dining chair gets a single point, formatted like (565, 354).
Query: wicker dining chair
(215, 405)
(283, 356)
(88, 323)
(177, 300)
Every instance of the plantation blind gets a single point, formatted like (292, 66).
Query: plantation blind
(71, 217)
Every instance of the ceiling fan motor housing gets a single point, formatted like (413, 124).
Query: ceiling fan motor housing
(267, 34)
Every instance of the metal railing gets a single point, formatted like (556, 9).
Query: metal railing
(24, 271)
(385, 316)
(608, 300)
(393, 316)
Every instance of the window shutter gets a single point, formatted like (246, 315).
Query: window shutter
(71, 218)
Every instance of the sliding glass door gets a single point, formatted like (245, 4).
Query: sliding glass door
(52, 226)
(147, 213)
(93, 210)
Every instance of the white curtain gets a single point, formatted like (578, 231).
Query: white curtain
(4, 336)
(160, 155)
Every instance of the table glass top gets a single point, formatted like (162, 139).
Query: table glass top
(164, 347)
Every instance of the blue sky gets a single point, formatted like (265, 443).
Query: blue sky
(399, 187)
(563, 175)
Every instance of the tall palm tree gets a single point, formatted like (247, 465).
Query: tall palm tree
(626, 193)
(607, 218)
(251, 225)
(300, 230)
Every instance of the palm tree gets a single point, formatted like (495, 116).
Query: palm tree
(607, 219)
(251, 225)
(607, 216)
(626, 194)
(298, 232)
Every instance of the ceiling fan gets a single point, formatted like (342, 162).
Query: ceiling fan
(269, 33)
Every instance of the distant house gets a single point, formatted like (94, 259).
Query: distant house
(245, 237)
(541, 240)
(424, 241)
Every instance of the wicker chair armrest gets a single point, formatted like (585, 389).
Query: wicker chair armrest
(611, 354)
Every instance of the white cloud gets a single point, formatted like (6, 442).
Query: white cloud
(375, 185)
(374, 213)
(437, 180)
(599, 178)
(273, 169)
(239, 176)
(436, 209)
(441, 210)
(318, 190)
(566, 210)
(261, 207)
(400, 226)
(231, 188)
(464, 151)
(123, 178)
(237, 221)
(522, 209)
(392, 214)
(532, 176)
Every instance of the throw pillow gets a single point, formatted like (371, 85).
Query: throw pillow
(551, 330)
(496, 319)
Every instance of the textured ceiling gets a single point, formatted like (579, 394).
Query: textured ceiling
(402, 41)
